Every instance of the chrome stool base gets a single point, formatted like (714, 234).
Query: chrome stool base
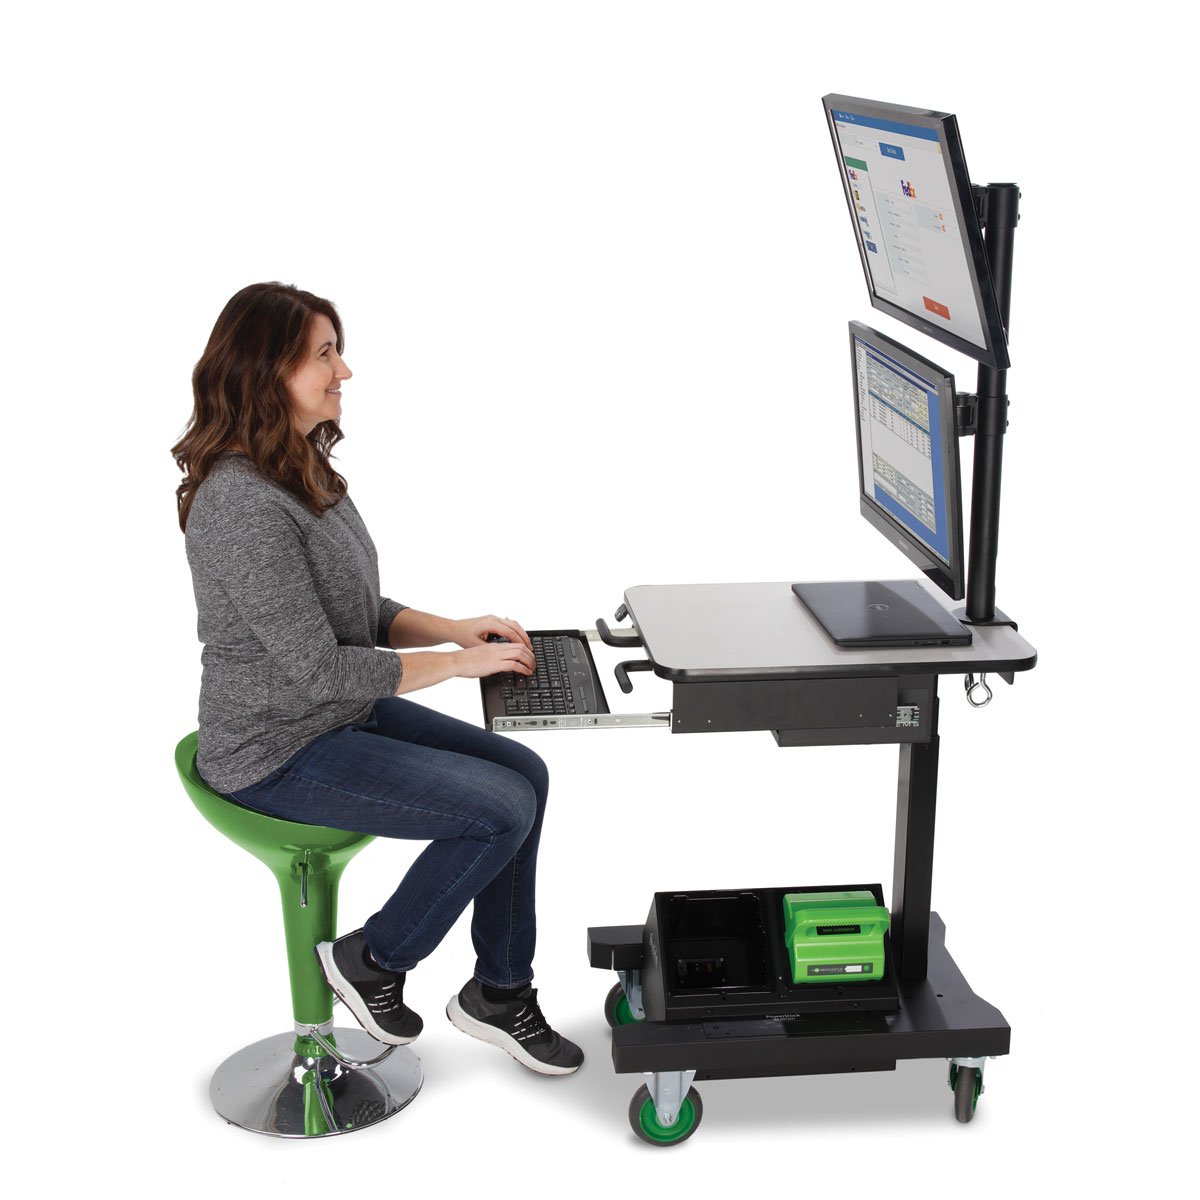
(275, 1087)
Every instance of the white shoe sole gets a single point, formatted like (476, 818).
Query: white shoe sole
(346, 993)
(495, 1037)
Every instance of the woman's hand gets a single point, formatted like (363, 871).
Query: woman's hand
(492, 658)
(477, 658)
(475, 631)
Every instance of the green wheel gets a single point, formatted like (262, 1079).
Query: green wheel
(967, 1083)
(645, 1123)
(616, 1008)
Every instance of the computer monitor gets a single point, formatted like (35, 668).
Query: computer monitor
(908, 473)
(913, 212)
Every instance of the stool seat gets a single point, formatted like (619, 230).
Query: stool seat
(300, 1085)
(270, 839)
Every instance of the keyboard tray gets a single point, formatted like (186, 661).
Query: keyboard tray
(497, 719)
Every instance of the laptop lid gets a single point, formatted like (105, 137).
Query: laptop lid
(885, 613)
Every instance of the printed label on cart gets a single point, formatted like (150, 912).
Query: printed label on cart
(842, 969)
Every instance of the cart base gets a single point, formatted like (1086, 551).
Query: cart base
(940, 1017)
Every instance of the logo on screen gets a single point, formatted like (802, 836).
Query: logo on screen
(908, 189)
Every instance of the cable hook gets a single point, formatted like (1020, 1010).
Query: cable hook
(970, 683)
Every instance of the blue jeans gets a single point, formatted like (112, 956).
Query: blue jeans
(478, 798)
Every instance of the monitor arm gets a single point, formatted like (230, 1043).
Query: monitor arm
(985, 413)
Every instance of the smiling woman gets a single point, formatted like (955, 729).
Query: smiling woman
(300, 709)
(260, 388)
(315, 387)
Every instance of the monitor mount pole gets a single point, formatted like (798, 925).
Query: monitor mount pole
(996, 206)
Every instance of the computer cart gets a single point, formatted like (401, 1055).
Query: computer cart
(747, 657)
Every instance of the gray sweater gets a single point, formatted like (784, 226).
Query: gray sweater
(289, 612)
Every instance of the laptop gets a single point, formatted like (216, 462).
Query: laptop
(563, 693)
(891, 613)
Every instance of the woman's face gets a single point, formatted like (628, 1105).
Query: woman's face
(315, 387)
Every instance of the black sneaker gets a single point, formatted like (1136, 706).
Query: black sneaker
(516, 1026)
(373, 995)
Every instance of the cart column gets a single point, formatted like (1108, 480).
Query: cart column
(912, 876)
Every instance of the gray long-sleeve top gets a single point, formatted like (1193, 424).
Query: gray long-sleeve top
(290, 615)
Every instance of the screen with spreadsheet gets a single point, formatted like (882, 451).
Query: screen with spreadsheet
(908, 452)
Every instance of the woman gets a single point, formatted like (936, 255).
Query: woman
(300, 715)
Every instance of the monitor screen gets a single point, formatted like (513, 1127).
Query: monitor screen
(913, 212)
(908, 454)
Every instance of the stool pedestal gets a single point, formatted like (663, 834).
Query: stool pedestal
(287, 1086)
(315, 1081)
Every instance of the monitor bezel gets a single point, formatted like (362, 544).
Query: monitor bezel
(950, 575)
(995, 353)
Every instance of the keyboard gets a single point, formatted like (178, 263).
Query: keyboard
(549, 690)
(563, 692)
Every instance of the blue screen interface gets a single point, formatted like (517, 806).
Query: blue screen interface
(900, 188)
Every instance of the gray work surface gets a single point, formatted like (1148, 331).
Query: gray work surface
(714, 631)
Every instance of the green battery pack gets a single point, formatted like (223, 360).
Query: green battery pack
(834, 937)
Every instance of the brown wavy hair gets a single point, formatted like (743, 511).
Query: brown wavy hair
(241, 398)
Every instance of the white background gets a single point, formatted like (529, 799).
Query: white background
(615, 227)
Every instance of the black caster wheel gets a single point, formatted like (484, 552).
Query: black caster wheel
(966, 1083)
(616, 1008)
(645, 1123)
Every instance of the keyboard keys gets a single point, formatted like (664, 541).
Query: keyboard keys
(548, 691)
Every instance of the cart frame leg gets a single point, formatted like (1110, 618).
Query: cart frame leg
(912, 876)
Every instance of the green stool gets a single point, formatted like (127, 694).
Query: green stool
(314, 1081)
